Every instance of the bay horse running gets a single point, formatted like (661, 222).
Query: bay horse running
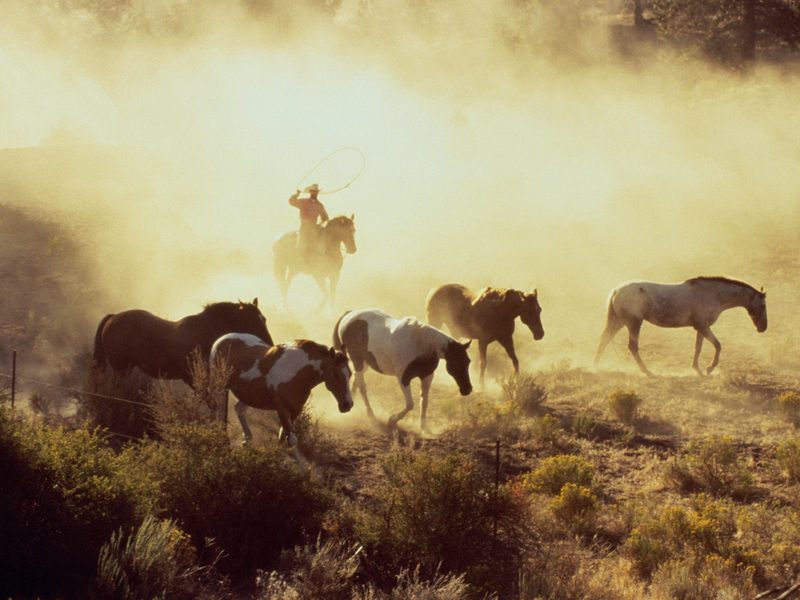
(696, 302)
(162, 348)
(404, 348)
(281, 377)
(487, 316)
(325, 267)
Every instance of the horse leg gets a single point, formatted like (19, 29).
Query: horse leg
(698, 344)
(423, 405)
(482, 345)
(334, 282)
(612, 327)
(633, 346)
(321, 283)
(508, 344)
(286, 426)
(717, 347)
(240, 412)
(409, 405)
(360, 384)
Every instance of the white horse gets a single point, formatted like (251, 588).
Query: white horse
(404, 348)
(696, 303)
(281, 377)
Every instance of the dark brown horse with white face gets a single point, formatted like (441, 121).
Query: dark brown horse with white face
(162, 348)
(696, 303)
(404, 348)
(487, 316)
(325, 266)
(281, 377)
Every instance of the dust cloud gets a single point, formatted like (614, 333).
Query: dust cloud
(507, 144)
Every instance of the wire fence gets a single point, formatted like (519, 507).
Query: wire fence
(14, 379)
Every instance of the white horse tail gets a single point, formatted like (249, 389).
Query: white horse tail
(337, 339)
(612, 318)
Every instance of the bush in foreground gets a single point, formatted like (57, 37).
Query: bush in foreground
(711, 465)
(624, 405)
(556, 471)
(439, 513)
(60, 500)
(253, 502)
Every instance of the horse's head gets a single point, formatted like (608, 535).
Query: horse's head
(245, 317)
(343, 231)
(530, 313)
(336, 374)
(457, 363)
(757, 309)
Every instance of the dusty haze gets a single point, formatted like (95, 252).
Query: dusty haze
(506, 145)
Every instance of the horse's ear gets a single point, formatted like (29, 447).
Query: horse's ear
(332, 353)
(353, 217)
(535, 293)
(762, 289)
(255, 301)
(465, 346)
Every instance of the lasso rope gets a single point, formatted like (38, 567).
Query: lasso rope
(325, 159)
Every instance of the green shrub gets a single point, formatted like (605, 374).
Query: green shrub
(410, 586)
(324, 570)
(624, 405)
(789, 459)
(584, 425)
(547, 431)
(252, 501)
(699, 577)
(440, 513)
(576, 507)
(708, 526)
(789, 405)
(525, 393)
(60, 500)
(556, 471)
(156, 560)
(172, 402)
(127, 418)
(711, 465)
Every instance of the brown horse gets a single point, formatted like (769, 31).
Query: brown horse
(487, 317)
(281, 377)
(161, 348)
(695, 303)
(326, 265)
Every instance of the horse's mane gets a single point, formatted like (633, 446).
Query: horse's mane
(720, 279)
(216, 309)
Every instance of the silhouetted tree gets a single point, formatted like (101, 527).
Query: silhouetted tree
(730, 30)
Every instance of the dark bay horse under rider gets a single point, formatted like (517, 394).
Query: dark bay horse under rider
(312, 216)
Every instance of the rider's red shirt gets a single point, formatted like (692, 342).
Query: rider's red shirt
(310, 209)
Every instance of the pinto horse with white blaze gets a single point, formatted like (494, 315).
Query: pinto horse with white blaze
(404, 348)
(487, 316)
(281, 377)
(696, 302)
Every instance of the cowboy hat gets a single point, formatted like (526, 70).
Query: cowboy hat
(312, 188)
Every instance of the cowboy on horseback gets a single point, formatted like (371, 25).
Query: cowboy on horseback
(312, 216)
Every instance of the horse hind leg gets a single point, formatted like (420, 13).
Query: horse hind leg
(698, 345)
(633, 346)
(717, 348)
(409, 405)
(613, 325)
(241, 409)
(360, 384)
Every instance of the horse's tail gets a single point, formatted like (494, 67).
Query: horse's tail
(337, 339)
(433, 308)
(612, 318)
(99, 352)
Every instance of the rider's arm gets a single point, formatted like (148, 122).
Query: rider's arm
(294, 200)
(323, 214)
